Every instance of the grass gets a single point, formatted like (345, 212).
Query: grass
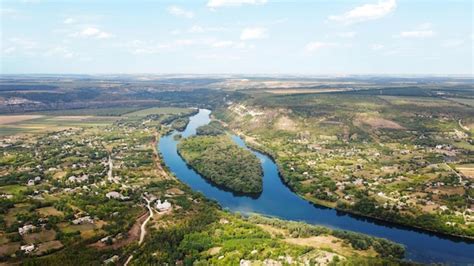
(8, 249)
(49, 211)
(40, 237)
(47, 246)
(469, 102)
(8, 131)
(157, 110)
(116, 111)
(12, 189)
(52, 123)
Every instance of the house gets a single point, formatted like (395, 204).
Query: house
(37, 179)
(162, 206)
(78, 179)
(116, 195)
(81, 220)
(31, 182)
(27, 248)
(111, 260)
(106, 239)
(26, 229)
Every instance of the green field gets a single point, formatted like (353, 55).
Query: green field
(116, 111)
(465, 101)
(158, 111)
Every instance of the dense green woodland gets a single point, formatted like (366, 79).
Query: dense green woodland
(223, 162)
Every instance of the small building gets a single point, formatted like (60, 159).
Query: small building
(81, 220)
(162, 206)
(27, 248)
(115, 195)
(26, 229)
(31, 182)
(111, 260)
(78, 179)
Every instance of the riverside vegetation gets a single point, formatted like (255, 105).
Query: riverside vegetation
(74, 222)
(221, 161)
(398, 154)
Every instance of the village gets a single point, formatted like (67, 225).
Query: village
(346, 160)
(82, 184)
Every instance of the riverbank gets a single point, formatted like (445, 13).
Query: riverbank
(258, 147)
(277, 200)
(221, 161)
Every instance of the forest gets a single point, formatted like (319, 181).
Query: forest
(221, 161)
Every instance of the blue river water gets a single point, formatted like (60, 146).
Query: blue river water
(279, 201)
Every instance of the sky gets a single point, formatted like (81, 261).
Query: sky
(311, 37)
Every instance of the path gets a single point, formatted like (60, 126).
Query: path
(128, 260)
(111, 166)
(143, 228)
(462, 126)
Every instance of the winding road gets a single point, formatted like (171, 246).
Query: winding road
(143, 227)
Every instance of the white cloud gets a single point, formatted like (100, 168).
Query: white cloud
(146, 47)
(92, 32)
(30, 1)
(366, 12)
(227, 3)
(19, 46)
(200, 29)
(196, 29)
(453, 43)
(417, 34)
(349, 34)
(60, 51)
(225, 57)
(11, 13)
(222, 44)
(315, 46)
(377, 46)
(69, 21)
(180, 12)
(253, 33)
(421, 31)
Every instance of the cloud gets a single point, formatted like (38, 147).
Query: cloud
(11, 13)
(350, 34)
(225, 57)
(69, 21)
(315, 46)
(9, 50)
(366, 12)
(417, 34)
(180, 12)
(227, 3)
(92, 32)
(231, 44)
(19, 46)
(453, 43)
(200, 29)
(60, 51)
(222, 44)
(377, 46)
(154, 47)
(421, 31)
(253, 33)
(139, 47)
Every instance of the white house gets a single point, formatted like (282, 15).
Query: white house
(31, 182)
(115, 195)
(27, 248)
(81, 220)
(162, 206)
(26, 229)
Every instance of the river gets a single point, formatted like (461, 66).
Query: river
(279, 201)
